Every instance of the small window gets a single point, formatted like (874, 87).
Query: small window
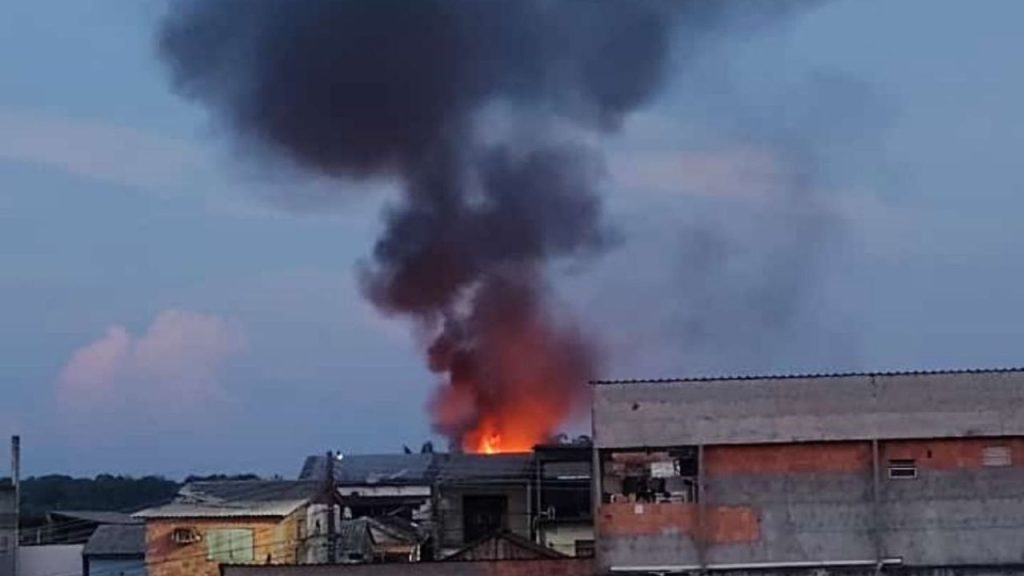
(996, 456)
(3, 546)
(230, 546)
(902, 469)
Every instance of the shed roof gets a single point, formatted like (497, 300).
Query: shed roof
(117, 540)
(504, 545)
(237, 499)
(95, 516)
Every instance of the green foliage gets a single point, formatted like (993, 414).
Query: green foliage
(42, 494)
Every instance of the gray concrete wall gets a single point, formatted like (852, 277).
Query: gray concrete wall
(802, 517)
(669, 549)
(955, 517)
(743, 411)
(816, 503)
(51, 560)
(450, 513)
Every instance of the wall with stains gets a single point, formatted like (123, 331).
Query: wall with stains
(809, 409)
(275, 540)
(833, 502)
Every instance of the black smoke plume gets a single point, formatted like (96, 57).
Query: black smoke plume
(400, 89)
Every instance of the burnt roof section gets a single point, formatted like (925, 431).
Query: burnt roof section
(486, 468)
(489, 547)
(117, 540)
(797, 376)
(364, 469)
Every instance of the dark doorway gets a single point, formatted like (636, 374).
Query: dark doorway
(483, 516)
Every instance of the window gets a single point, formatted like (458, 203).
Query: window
(584, 548)
(996, 456)
(3, 546)
(665, 475)
(902, 469)
(230, 546)
(483, 516)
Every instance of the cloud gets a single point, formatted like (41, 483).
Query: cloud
(738, 171)
(173, 369)
(95, 150)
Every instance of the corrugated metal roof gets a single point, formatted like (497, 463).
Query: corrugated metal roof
(236, 499)
(806, 375)
(117, 540)
(96, 516)
(363, 469)
(486, 467)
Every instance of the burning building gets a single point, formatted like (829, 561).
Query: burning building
(918, 473)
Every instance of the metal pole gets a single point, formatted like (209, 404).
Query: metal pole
(16, 481)
(701, 511)
(876, 521)
(332, 551)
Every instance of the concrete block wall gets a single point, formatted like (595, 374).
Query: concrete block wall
(809, 409)
(811, 502)
(450, 510)
(818, 503)
(957, 511)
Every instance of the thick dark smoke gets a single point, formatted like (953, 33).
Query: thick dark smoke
(398, 88)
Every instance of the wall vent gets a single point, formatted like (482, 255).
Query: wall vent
(184, 536)
(996, 456)
(902, 469)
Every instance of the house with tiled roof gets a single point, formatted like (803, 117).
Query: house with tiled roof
(238, 522)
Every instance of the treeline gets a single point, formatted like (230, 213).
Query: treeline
(41, 494)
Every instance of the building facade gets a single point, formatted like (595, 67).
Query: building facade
(242, 522)
(917, 472)
(115, 550)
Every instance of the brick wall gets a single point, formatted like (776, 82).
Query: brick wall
(950, 454)
(273, 538)
(812, 457)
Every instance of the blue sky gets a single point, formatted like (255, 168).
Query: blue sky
(121, 206)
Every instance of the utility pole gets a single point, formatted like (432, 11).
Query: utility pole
(329, 492)
(16, 482)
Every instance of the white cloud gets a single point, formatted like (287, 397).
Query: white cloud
(95, 150)
(170, 371)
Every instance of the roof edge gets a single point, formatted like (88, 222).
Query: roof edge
(797, 376)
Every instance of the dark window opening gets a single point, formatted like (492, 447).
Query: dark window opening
(665, 475)
(483, 516)
(902, 469)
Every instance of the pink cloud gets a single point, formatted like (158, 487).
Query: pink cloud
(171, 370)
(739, 172)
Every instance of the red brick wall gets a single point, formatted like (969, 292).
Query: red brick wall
(839, 457)
(950, 453)
(725, 524)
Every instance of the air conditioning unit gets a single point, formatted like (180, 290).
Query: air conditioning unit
(182, 536)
